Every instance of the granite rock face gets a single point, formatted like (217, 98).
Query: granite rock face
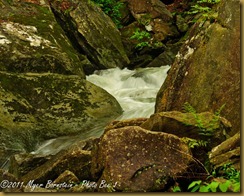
(31, 40)
(92, 32)
(206, 72)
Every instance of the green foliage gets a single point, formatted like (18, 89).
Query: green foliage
(145, 40)
(67, 11)
(176, 189)
(203, 130)
(228, 172)
(217, 113)
(202, 6)
(140, 35)
(227, 178)
(143, 37)
(199, 123)
(188, 108)
(112, 9)
(192, 143)
(208, 1)
(195, 9)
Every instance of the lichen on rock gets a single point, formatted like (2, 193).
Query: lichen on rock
(32, 41)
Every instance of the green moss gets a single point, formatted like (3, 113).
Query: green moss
(43, 19)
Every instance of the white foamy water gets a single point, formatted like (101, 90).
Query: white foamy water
(135, 90)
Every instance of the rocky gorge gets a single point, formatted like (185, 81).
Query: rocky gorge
(49, 48)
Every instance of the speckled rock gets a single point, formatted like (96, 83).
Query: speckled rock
(206, 72)
(133, 159)
(92, 32)
(31, 40)
(35, 107)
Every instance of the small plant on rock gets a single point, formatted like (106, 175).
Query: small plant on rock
(145, 40)
(226, 178)
(112, 9)
(204, 9)
(199, 122)
(143, 37)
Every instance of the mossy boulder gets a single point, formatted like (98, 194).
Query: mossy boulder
(31, 40)
(206, 72)
(92, 32)
(35, 107)
(201, 126)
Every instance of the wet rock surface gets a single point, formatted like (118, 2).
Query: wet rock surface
(36, 107)
(74, 159)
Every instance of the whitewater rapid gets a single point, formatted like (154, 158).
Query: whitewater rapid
(135, 90)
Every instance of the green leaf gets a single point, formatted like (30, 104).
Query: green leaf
(195, 188)
(176, 189)
(204, 189)
(224, 186)
(194, 183)
(213, 186)
(236, 187)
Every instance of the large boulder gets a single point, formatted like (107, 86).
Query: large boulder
(206, 72)
(35, 107)
(32, 41)
(93, 33)
(133, 159)
(202, 126)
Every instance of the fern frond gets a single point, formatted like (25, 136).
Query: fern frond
(188, 108)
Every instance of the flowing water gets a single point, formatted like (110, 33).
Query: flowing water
(135, 90)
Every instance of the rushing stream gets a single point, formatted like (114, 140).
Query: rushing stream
(135, 90)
